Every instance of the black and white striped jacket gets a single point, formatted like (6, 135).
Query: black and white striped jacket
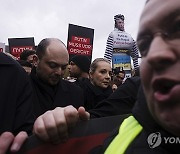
(121, 40)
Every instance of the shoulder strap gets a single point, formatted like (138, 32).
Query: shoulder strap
(129, 129)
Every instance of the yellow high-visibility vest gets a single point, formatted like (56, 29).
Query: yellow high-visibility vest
(128, 130)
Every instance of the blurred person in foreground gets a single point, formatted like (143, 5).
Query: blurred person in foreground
(16, 108)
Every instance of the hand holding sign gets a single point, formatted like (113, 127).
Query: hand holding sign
(54, 125)
(86, 136)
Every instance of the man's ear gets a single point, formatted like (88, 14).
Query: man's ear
(35, 60)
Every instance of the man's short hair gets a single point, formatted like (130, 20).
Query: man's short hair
(41, 48)
(26, 53)
(119, 16)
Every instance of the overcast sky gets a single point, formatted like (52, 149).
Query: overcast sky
(50, 18)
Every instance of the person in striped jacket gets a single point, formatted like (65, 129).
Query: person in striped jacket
(120, 40)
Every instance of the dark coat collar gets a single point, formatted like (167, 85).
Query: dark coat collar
(97, 90)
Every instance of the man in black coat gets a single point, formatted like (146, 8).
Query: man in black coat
(79, 69)
(15, 101)
(50, 90)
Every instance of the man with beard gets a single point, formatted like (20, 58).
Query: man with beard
(50, 90)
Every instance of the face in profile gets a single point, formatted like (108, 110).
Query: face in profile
(102, 75)
(74, 70)
(51, 67)
(159, 44)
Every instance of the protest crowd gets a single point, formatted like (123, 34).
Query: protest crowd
(46, 91)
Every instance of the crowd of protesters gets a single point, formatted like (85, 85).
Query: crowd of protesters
(44, 101)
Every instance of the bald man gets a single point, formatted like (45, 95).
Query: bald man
(50, 90)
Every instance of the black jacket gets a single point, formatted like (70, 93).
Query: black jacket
(119, 102)
(93, 94)
(15, 97)
(140, 144)
(47, 97)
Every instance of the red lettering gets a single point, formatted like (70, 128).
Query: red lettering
(16, 50)
(79, 51)
(81, 39)
(80, 46)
